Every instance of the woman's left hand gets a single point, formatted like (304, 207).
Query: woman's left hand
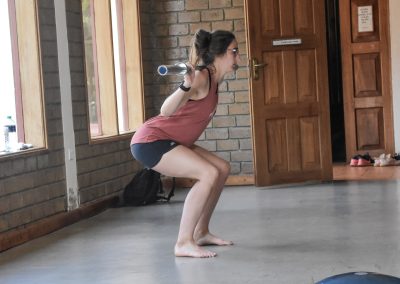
(189, 76)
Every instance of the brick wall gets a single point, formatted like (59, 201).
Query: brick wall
(173, 24)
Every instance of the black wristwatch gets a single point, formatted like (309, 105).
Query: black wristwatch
(183, 88)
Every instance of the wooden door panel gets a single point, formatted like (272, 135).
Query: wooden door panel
(309, 133)
(274, 79)
(286, 17)
(289, 92)
(277, 145)
(304, 17)
(369, 128)
(294, 145)
(367, 75)
(299, 79)
(270, 21)
(306, 75)
(364, 36)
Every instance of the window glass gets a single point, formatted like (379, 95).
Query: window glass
(90, 52)
(21, 108)
(115, 98)
(7, 106)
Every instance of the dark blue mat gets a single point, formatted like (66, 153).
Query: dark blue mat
(360, 278)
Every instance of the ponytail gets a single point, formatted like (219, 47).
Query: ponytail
(206, 46)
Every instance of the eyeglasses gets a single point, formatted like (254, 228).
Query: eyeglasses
(234, 50)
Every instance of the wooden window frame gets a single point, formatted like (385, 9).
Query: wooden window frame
(27, 70)
(104, 69)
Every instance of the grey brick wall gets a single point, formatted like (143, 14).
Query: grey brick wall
(168, 41)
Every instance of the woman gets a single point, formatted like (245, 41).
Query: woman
(165, 143)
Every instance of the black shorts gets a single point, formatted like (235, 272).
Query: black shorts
(149, 154)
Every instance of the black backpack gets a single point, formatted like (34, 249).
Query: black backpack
(146, 188)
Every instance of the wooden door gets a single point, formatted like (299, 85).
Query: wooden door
(366, 77)
(290, 98)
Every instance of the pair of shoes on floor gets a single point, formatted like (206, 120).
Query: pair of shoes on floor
(396, 156)
(361, 160)
(385, 160)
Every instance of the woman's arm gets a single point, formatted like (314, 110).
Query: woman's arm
(197, 83)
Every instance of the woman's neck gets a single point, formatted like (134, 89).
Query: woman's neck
(218, 76)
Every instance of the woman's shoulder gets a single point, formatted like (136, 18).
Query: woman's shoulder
(200, 85)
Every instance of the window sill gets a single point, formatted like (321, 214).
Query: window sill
(18, 153)
(113, 138)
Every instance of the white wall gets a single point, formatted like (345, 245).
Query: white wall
(394, 9)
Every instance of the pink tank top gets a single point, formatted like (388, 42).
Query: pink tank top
(185, 126)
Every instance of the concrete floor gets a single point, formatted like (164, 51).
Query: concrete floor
(295, 235)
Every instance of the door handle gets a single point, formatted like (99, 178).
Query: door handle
(255, 66)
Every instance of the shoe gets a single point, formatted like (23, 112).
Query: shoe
(365, 160)
(387, 161)
(354, 160)
(378, 160)
(396, 158)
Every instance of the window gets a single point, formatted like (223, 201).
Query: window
(113, 76)
(21, 74)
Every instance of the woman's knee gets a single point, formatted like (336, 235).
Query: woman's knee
(214, 174)
(225, 169)
(210, 174)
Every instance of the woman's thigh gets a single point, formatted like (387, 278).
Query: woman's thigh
(184, 162)
(149, 154)
(218, 162)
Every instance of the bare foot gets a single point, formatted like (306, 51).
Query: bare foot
(192, 250)
(210, 239)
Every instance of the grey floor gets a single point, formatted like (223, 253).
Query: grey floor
(299, 234)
